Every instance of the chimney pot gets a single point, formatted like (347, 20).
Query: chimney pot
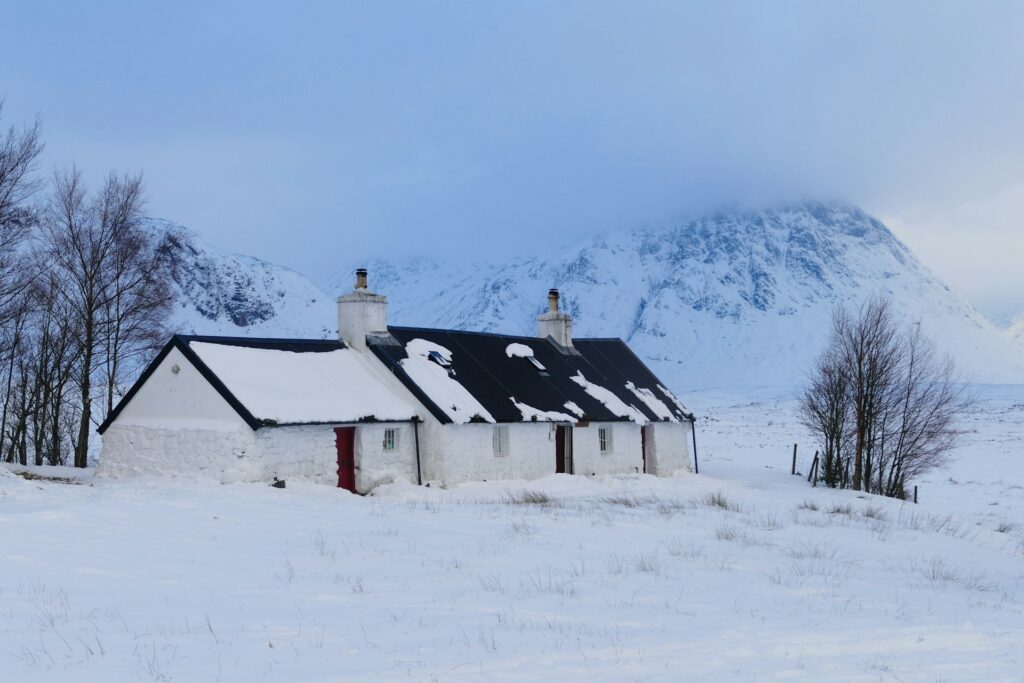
(553, 300)
(554, 323)
(361, 278)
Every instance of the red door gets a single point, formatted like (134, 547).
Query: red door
(346, 457)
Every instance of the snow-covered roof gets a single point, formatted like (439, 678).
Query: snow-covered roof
(292, 387)
(477, 377)
(458, 376)
(288, 382)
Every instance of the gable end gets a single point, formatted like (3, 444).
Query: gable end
(180, 343)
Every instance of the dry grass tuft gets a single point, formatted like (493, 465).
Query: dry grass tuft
(528, 497)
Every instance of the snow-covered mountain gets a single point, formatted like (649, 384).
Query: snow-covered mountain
(728, 300)
(231, 294)
(1016, 330)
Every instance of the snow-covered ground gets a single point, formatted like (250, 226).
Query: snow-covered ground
(741, 573)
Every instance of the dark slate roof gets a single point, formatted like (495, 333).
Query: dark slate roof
(481, 364)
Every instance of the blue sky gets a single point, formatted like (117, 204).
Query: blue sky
(315, 134)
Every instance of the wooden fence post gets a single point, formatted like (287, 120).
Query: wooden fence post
(814, 470)
(793, 468)
(915, 494)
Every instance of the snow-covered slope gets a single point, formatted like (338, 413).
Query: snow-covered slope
(1016, 331)
(230, 294)
(729, 300)
(741, 573)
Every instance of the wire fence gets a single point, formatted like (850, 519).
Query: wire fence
(801, 460)
(805, 463)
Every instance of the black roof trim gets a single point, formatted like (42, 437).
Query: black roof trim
(360, 421)
(295, 345)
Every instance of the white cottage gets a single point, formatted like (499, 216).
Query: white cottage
(385, 403)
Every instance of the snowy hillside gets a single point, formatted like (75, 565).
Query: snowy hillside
(230, 294)
(1016, 331)
(730, 300)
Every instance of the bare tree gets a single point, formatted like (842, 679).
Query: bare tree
(884, 395)
(923, 406)
(136, 309)
(824, 409)
(19, 152)
(84, 294)
(870, 353)
(104, 265)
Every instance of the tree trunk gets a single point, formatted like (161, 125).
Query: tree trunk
(82, 444)
(858, 459)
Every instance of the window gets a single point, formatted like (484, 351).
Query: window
(604, 438)
(390, 439)
(442, 360)
(500, 442)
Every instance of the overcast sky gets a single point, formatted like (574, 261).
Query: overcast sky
(314, 134)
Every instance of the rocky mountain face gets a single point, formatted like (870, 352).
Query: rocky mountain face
(731, 300)
(230, 294)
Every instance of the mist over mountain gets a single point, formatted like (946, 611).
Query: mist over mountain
(731, 300)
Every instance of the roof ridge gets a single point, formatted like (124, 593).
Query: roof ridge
(211, 338)
(504, 335)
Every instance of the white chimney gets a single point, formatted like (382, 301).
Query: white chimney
(555, 323)
(361, 312)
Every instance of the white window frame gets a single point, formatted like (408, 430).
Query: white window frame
(499, 441)
(390, 441)
(604, 440)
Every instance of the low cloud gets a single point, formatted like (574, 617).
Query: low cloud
(483, 130)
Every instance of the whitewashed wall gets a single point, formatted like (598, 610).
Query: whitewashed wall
(183, 399)
(306, 453)
(177, 425)
(668, 448)
(626, 454)
(457, 453)
(309, 453)
(465, 452)
(134, 450)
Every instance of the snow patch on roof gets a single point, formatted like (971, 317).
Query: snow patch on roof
(574, 409)
(609, 399)
(441, 386)
(674, 399)
(516, 350)
(656, 405)
(297, 388)
(531, 414)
